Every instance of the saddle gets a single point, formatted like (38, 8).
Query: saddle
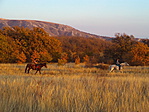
(35, 66)
(119, 66)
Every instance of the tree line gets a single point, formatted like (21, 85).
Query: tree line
(20, 45)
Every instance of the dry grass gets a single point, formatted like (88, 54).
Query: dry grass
(73, 88)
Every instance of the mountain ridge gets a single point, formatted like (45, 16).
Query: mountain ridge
(54, 29)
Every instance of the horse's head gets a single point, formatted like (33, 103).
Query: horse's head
(124, 64)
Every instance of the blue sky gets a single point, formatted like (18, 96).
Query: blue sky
(101, 17)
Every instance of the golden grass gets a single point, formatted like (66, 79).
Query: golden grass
(73, 88)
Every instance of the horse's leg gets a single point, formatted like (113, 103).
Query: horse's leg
(121, 69)
(28, 70)
(39, 71)
(36, 71)
(111, 69)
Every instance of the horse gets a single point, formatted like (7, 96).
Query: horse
(116, 67)
(36, 67)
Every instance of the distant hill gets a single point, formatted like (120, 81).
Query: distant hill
(53, 29)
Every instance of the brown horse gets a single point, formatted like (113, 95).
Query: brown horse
(36, 67)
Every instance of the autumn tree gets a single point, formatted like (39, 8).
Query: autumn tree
(139, 54)
(77, 59)
(83, 46)
(146, 41)
(45, 56)
(7, 47)
(30, 40)
(35, 55)
(19, 56)
(122, 44)
(63, 60)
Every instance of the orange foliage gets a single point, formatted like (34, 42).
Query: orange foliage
(140, 54)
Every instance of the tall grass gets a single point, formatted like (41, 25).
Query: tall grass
(73, 89)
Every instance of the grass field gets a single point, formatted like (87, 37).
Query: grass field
(73, 88)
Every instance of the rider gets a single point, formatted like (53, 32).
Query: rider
(35, 61)
(118, 63)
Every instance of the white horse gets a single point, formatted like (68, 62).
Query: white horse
(116, 67)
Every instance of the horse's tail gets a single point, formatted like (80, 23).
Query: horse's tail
(26, 68)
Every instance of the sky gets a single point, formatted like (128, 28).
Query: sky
(100, 17)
